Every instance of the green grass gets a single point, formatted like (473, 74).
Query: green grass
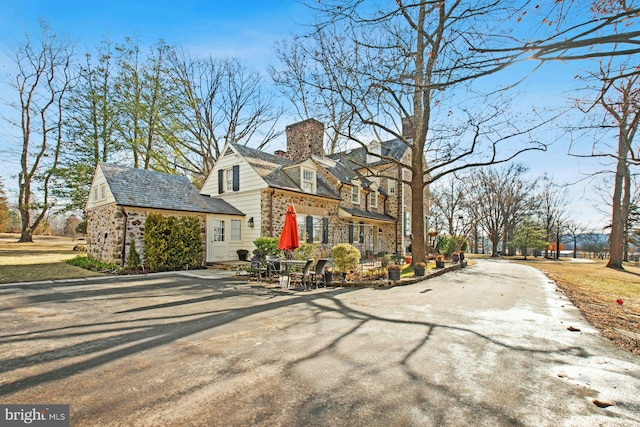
(41, 260)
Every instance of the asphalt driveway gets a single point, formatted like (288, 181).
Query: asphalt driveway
(486, 345)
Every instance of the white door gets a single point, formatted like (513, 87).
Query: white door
(217, 247)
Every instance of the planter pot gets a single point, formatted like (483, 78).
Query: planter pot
(407, 259)
(419, 271)
(242, 254)
(328, 277)
(394, 275)
(439, 264)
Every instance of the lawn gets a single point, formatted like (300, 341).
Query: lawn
(40, 260)
(595, 290)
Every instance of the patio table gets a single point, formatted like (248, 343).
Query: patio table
(289, 266)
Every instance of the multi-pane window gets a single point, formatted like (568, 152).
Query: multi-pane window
(310, 230)
(236, 234)
(392, 187)
(103, 191)
(317, 229)
(355, 195)
(95, 194)
(218, 230)
(308, 181)
(228, 179)
(373, 199)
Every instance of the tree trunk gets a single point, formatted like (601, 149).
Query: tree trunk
(619, 210)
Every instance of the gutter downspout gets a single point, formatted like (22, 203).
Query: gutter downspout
(124, 234)
(402, 230)
(273, 191)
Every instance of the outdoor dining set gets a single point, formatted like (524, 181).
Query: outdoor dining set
(290, 273)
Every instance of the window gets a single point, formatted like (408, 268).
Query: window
(103, 191)
(355, 195)
(218, 230)
(373, 199)
(236, 233)
(95, 194)
(308, 181)
(228, 180)
(392, 186)
(314, 230)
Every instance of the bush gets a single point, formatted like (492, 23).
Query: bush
(172, 243)
(307, 251)
(133, 259)
(345, 257)
(89, 263)
(266, 246)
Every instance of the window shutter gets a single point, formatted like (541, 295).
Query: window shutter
(309, 226)
(325, 230)
(220, 181)
(236, 178)
(361, 234)
(350, 232)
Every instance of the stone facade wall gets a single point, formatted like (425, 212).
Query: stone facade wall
(304, 139)
(276, 204)
(104, 225)
(109, 220)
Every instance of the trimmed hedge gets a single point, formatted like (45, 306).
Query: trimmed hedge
(172, 243)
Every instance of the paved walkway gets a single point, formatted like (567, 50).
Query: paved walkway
(485, 345)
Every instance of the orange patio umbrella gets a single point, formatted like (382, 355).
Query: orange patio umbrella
(289, 239)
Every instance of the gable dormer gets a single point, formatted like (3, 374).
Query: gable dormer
(374, 151)
(305, 175)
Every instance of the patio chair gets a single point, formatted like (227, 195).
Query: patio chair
(317, 274)
(273, 267)
(301, 277)
(257, 269)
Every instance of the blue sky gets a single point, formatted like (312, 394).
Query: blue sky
(245, 30)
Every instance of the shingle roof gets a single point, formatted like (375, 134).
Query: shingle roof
(269, 167)
(369, 215)
(150, 189)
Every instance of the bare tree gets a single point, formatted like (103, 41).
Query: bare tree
(307, 85)
(574, 230)
(613, 114)
(567, 31)
(42, 81)
(449, 201)
(552, 210)
(220, 100)
(410, 60)
(502, 200)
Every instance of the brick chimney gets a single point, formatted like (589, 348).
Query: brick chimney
(281, 153)
(304, 139)
(407, 128)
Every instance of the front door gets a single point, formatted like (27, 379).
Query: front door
(217, 246)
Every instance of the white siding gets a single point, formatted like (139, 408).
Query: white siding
(249, 178)
(99, 181)
(224, 251)
(247, 199)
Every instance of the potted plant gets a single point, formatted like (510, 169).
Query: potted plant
(328, 275)
(440, 261)
(394, 271)
(419, 269)
(345, 258)
(242, 254)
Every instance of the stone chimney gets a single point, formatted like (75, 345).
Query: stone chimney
(304, 139)
(407, 128)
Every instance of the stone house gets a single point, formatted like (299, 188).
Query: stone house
(121, 198)
(357, 196)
